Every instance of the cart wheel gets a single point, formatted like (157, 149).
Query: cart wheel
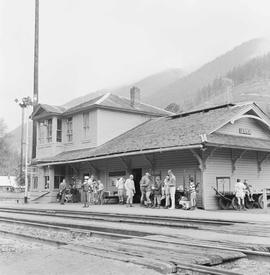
(235, 204)
(260, 201)
(249, 204)
(224, 204)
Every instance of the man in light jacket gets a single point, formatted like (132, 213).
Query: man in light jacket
(172, 184)
(62, 191)
(120, 188)
(130, 190)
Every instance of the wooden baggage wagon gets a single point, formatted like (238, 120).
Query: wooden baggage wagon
(227, 200)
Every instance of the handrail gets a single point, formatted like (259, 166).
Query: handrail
(42, 195)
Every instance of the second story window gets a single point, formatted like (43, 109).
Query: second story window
(86, 124)
(69, 129)
(59, 130)
(41, 133)
(49, 130)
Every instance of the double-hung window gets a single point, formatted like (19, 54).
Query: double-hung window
(49, 130)
(69, 129)
(86, 125)
(41, 133)
(59, 130)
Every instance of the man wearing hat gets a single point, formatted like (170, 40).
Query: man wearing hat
(145, 186)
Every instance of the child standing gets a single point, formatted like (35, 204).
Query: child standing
(157, 192)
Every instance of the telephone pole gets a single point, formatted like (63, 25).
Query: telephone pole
(35, 92)
(22, 141)
(24, 104)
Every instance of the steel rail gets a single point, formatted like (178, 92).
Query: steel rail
(164, 267)
(88, 214)
(94, 230)
(122, 233)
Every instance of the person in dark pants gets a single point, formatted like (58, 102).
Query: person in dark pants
(145, 184)
(157, 192)
(62, 191)
(85, 193)
(100, 192)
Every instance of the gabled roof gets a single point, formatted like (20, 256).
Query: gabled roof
(107, 101)
(111, 101)
(48, 110)
(177, 131)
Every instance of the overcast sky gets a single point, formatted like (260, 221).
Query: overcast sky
(87, 45)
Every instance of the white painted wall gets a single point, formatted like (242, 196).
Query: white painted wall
(79, 142)
(47, 150)
(111, 124)
(220, 165)
(258, 129)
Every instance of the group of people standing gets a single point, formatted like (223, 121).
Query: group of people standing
(159, 189)
(127, 185)
(153, 190)
(92, 191)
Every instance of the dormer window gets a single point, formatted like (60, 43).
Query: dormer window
(69, 129)
(86, 125)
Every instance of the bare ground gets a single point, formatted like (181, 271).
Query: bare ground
(29, 258)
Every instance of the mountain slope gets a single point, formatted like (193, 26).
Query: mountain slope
(148, 86)
(249, 82)
(186, 87)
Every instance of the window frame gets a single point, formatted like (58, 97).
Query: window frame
(46, 182)
(49, 130)
(69, 129)
(41, 133)
(35, 182)
(86, 123)
(57, 180)
(59, 127)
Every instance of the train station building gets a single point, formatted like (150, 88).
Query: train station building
(111, 136)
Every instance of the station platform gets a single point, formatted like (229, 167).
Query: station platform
(252, 215)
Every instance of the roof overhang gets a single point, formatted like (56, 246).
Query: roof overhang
(229, 146)
(110, 108)
(133, 153)
(261, 116)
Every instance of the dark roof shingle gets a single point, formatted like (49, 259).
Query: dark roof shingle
(165, 132)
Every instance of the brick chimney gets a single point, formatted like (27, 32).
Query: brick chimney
(135, 96)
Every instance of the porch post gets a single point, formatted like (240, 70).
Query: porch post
(51, 178)
(41, 178)
(54, 128)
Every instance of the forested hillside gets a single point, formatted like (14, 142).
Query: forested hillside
(9, 157)
(186, 88)
(250, 81)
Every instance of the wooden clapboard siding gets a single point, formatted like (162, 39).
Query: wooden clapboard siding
(220, 165)
(182, 163)
(257, 128)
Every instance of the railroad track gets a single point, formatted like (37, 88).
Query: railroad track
(163, 267)
(126, 254)
(125, 218)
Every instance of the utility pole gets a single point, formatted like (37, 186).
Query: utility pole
(26, 157)
(22, 139)
(24, 104)
(35, 92)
